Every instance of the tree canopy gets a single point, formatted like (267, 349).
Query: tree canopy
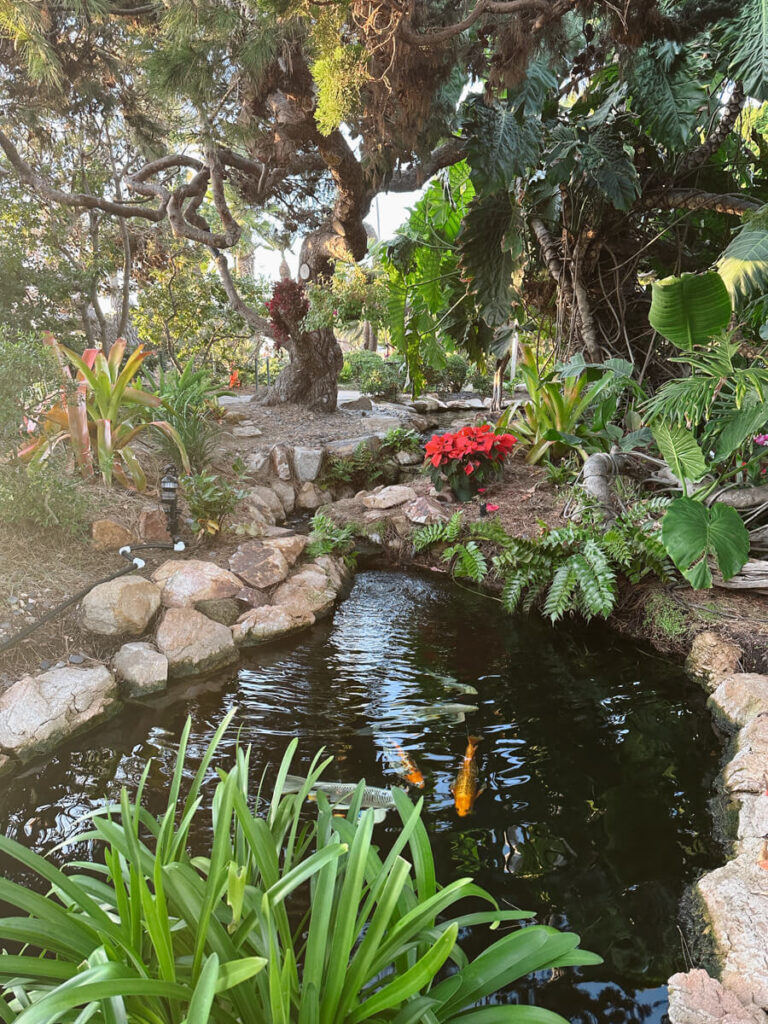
(604, 142)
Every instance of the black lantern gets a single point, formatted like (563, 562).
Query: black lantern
(169, 489)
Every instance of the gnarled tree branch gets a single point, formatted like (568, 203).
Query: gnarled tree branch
(717, 137)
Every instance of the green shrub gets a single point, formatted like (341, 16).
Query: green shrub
(381, 381)
(44, 495)
(481, 381)
(401, 439)
(29, 374)
(285, 919)
(450, 377)
(211, 498)
(357, 364)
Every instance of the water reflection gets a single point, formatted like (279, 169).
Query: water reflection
(595, 761)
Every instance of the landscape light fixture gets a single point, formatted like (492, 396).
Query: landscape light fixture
(169, 491)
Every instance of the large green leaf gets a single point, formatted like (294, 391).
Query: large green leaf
(745, 42)
(680, 451)
(692, 533)
(667, 92)
(499, 147)
(688, 310)
(744, 264)
(486, 261)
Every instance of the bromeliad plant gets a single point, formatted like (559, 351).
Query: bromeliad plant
(467, 459)
(287, 919)
(101, 412)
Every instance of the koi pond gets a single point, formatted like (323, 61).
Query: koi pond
(593, 768)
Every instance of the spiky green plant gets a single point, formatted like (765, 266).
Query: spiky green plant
(156, 936)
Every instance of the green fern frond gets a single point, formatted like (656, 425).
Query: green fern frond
(426, 536)
(468, 561)
(490, 530)
(453, 527)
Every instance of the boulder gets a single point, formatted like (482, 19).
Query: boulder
(307, 463)
(738, 699)
(122, 607)
(107, 535)
(290, 547)
(286, 493)
(258, 565)
(153, 526)
(269, 623)
(259, 466)
(711, 659)
(753, 816)
(695, 998)
(281, 461)
(747, 771)
(246, 429)
(735, 901)
(309, 591)
(221, 609)
(409, 458)
(310, 497)
(347, 446)
(37, 712)
(389, 497)
(234, 401)
(425, 510)
(193, 643)
(140, 669)
(266, 499)
(186, 582)
(252, 597)
(362, 403)
(335, 569)
(427, 403)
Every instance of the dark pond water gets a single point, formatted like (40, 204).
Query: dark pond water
(596, 760)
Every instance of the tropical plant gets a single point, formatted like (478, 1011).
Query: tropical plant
(573, 408)
(211, 498)
(155, 934)
(693, 533)
(467, 459)
(381, 381)
(101, 411)
(327, 538)
(573, 569)
(361, 469)
(400, 439)
(188, 399)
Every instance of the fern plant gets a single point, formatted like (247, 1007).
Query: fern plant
(327, 538)
(570, 570)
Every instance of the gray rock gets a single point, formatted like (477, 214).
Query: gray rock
(753, 816)
(281, 461)
(193, 643)
(140, 669)
(221, 609)
(409, 458)
(266, 498)
(258, 565)
(347, 445)
(247, 429)
(76, 659)
(363, 402)
(307, 463)
(711, 659)
(252, 597)
(335, 569)
(186, 582)
(389, 497)
(425, 510)
(234, 401)
(37, 712)
(427, 403)
(747, 771)
(259, 466)
(695, 998)
(269, 623)
(735, 901)
(122, 607)
(286, 493)
(739, 698)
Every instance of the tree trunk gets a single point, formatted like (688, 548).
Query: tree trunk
(498, 383)
(370, 337)
(310, 377)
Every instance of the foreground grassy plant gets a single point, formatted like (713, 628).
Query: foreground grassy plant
(288, 919)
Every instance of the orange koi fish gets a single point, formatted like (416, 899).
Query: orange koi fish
(464, 789)
(402, 762)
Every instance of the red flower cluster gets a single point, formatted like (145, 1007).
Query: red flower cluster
(469, 447)
(287, 308)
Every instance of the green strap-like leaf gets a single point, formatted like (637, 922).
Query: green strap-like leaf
(680, 451)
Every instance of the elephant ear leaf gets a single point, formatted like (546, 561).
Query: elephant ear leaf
(692, 533)
(691, 309)
(680, 450)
